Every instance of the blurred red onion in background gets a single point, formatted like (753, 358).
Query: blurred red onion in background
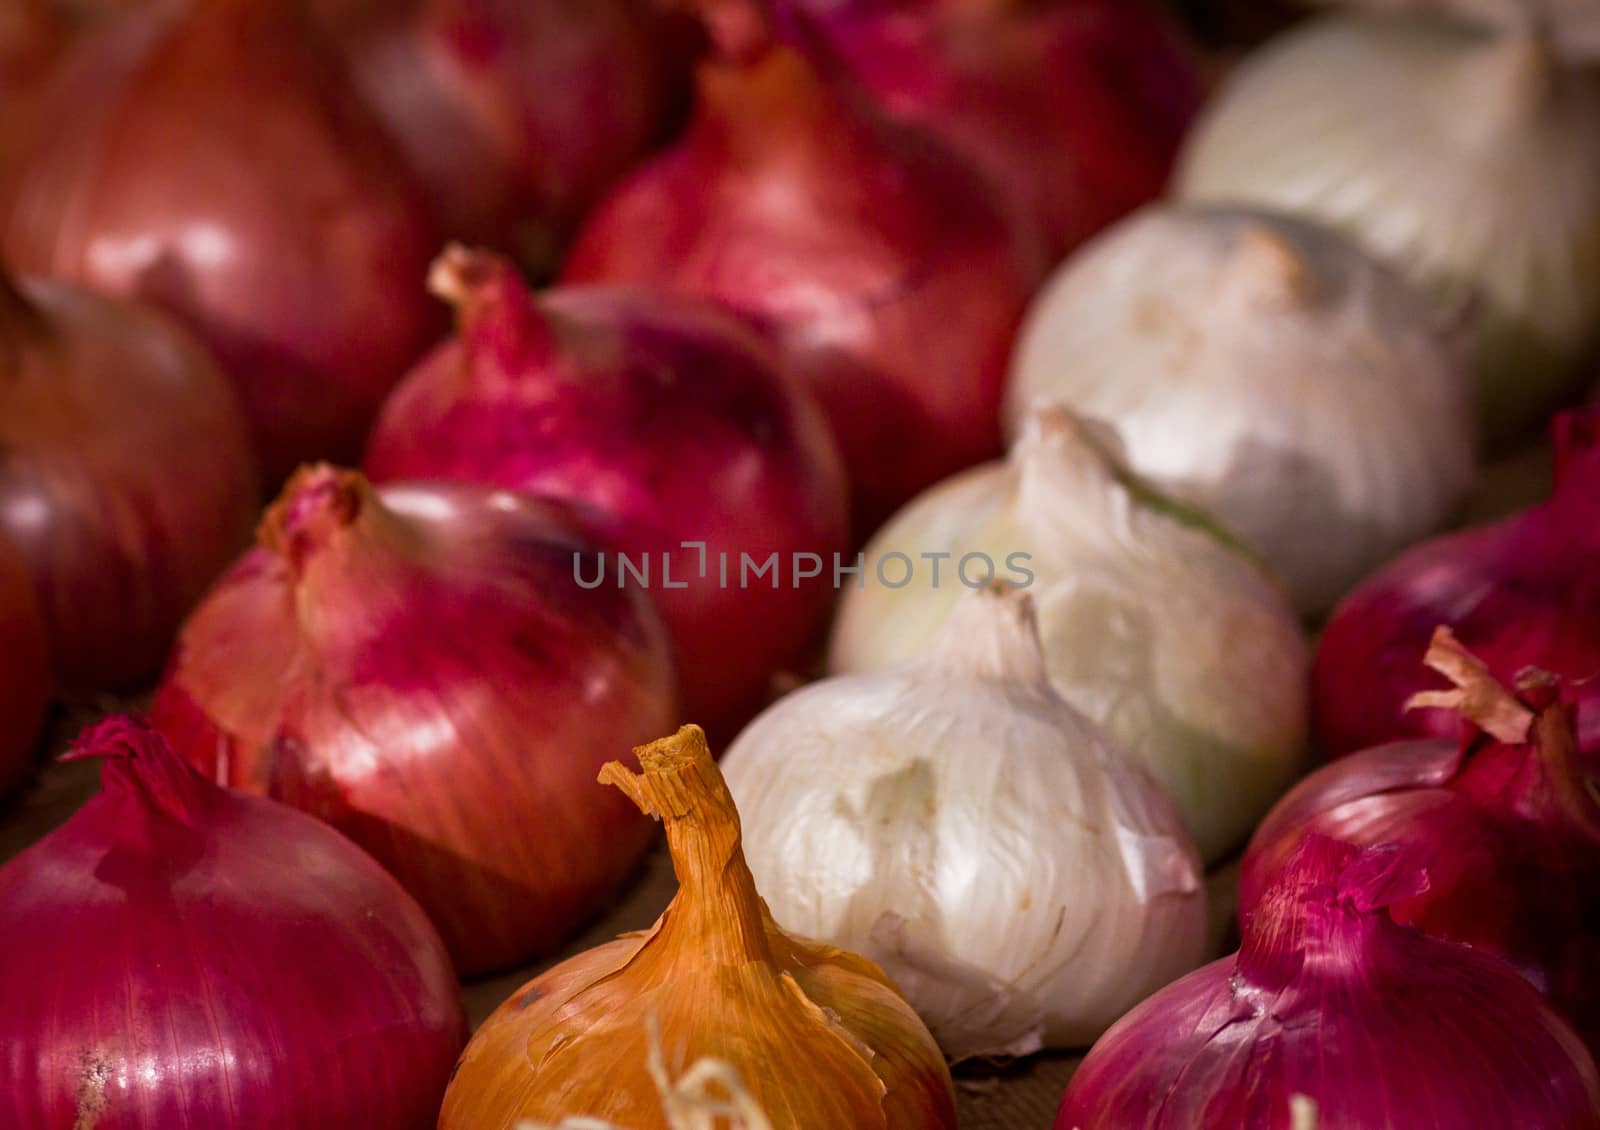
(883, 266)
(515, 114)
(1074, 108)
(206, 155)
(663, 419)
(125, 474)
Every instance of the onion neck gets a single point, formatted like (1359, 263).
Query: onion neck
(1063, 467)
(992, 635)
(1326, 913)
(1071, 474)
(1541, 780)
(139, 764)
(740, 31)
(1524, 760)
(1266, 269)
(717, 911)
(326, 510)
(771, 99)
(496, 312)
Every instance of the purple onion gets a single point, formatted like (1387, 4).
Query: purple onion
(181, 957)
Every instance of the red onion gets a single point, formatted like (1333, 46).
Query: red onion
(1507, 823)
(24, 669)
(665, 421)
(179, 957)
(1524, 591)
(516, 114)
(419, 667)
(1075, 108)
(204, 155)
(1330, 1002)
(874, 257)
(125, 474)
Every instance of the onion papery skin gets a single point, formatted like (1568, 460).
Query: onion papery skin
(233, 965)
(902, 814)
(515, 114)
(419, 668)
(1075, 109)
(209, 157)
(1520, 592)
(1337, 423)
(820, 1038)
(1511, 833)
(1329, 998)
(1151, 622)
(1468, 161)
(125, 474)
(879, 262)
(662, 420)
(25, 683)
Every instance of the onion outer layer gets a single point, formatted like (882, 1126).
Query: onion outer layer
(821, 1037)
(180, 957)
(1330, 1000)
(419, 667)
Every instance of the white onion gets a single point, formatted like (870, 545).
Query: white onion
(1181, 646)
(1469, 161)
(1021, 878)
(1266, 371)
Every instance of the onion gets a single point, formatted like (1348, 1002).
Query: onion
(1182, 647)
(1075, 108)
(1309, 402)
(1470, 162)
(420, 668)
(665, 421)
(1508, 824)
(1519, 592)
(821, 1037)
(24, 669)
(875, 258)
(1332, 1003)
(125, 474)
(180, 957)
(203, 155)
(905, 813)
(516, 114)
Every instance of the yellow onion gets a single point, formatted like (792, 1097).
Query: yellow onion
(821, 1037)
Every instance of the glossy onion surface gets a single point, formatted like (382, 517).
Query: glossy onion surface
(419, 668)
